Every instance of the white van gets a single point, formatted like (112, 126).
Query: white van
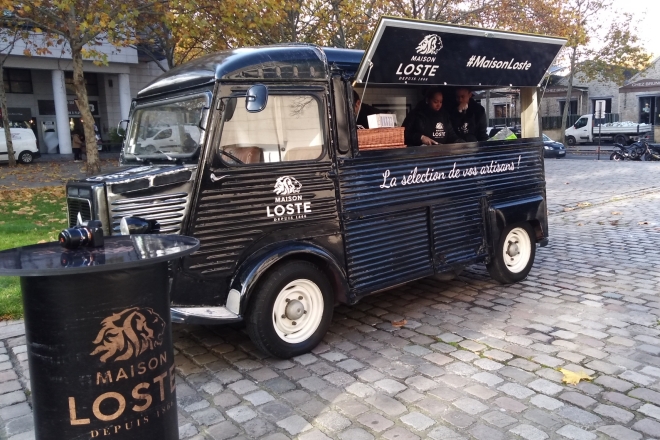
(167, 138)
(24, 143)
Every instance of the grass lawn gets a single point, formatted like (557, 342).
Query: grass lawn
(27, 216)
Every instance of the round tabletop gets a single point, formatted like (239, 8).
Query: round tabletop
(118, 252)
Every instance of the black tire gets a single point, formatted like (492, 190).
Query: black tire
(616, 156)
(570, 140)
(620, 139)
(264, 324)
(501, 266)
(25, 157)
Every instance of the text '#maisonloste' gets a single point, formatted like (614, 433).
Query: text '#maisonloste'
(484, 62)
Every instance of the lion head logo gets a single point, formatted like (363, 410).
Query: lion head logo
(129, 333)
(430, 45)
(286, 185)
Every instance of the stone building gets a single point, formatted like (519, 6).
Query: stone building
(40, 91)
(639, 98)
(585, 94)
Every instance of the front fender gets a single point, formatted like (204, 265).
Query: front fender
(250, 271)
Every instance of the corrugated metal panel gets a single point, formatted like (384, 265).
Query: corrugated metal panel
(231, 216)
(386, 249)
(458, 232)
(454, 202)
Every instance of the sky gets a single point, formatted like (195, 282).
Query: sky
(646, 16)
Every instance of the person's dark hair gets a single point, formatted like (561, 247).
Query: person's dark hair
(432, 91)
(356, 97)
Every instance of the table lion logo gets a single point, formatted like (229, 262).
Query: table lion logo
(286, 185)
(129, 333)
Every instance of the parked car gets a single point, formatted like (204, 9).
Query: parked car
(24, 143)
(553, 148)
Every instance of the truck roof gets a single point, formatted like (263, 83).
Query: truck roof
(272, 63)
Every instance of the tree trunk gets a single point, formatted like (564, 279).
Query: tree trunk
(5, 122)
(567, 105)
(93, 162)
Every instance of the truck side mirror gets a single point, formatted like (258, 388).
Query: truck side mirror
(121, 127)
(256, 98)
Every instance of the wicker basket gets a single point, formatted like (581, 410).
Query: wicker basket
(380, 138)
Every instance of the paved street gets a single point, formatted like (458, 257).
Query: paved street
(476, 360)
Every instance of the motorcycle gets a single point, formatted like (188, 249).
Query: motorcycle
(652, 152)
(635, 151)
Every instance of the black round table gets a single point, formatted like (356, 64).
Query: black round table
(99, 336)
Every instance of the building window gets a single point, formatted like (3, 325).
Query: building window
(608, 104)
(17, 80)
(91, 83)
(503, 110)
(572, 110)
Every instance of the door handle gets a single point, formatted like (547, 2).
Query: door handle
(215, 178)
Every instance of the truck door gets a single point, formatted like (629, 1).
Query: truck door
(264, 179)
(583, 128)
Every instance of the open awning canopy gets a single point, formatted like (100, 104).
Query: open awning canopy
(428, 53)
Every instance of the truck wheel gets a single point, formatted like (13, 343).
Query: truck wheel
(570, 140)
(25, 157)
(514, 255)
(620, 139)
(291, 311)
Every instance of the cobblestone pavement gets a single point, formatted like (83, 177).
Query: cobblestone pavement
(476, 360)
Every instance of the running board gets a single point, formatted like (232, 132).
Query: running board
(203, 315)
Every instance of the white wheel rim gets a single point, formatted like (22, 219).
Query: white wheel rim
(517, 250)
(298, 311)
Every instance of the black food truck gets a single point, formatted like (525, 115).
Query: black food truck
(256, 153)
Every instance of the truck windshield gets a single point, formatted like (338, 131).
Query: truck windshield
(166, 132)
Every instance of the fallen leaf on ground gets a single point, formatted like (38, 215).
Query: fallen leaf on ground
(574, 378)
(567, 183)
(399, 323)
(583, 204)
(643, 223)
(614, 222)
(580, 224)
(616, 213)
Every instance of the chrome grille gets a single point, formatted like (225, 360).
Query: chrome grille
(167, 209)
(76, 206)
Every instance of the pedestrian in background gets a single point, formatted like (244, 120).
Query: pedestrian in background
(77, 144)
